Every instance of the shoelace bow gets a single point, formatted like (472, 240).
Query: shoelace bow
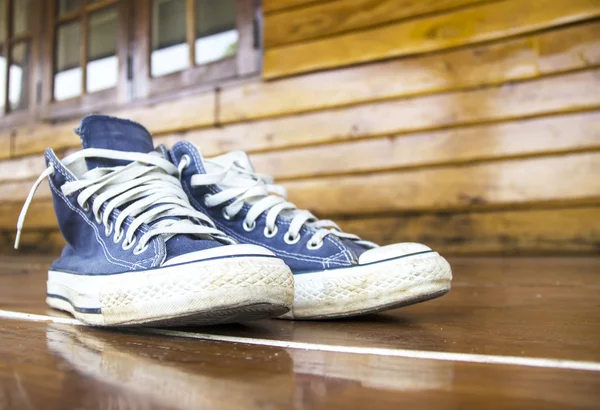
(149, 187)
(263, 195)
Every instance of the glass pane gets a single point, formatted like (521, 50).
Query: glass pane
(170, 50)
(21, 16)
(2, 20)
(103, 64)
(216, 33)
(67, 6)
(18, 77)
(67, 77)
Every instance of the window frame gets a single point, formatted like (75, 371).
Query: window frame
(135, 85)
(10, 118)
(244, 63)
(85, 102)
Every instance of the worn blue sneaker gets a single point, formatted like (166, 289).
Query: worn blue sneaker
(137, 252)
(336, 274)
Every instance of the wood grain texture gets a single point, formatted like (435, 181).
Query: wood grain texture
(540, 54)
(547, 53)
(269, 6)
(494, 185)
(557, 231)
(540, 136)
(41, 216)
(550, 180)
(45, 242)
(5, 146)
(536, 231)
(55, 367)
(170, 116)
(551, 95)
(497, 306)
(331, 18)
(35, 138)
(26, 168)
(17, 191)
(489, 21)
(161, 118)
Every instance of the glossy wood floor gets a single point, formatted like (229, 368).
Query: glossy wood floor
(512, 333)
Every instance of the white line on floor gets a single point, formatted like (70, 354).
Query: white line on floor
(408, 353)
(9, 314)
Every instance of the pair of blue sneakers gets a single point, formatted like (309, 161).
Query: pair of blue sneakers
(158, 237)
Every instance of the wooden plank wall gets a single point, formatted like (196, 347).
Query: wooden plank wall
(471, 125)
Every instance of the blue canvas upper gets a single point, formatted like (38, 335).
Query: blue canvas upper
(89, 250)
(335, 252)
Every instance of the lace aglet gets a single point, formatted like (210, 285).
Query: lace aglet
(18, 239)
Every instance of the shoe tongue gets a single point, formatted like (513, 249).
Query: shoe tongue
(101, 131)
(240, 157)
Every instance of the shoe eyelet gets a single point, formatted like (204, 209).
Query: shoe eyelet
(108, 229)
(98, 219)
(289, 239)
(247, 227)
(128, 245)
(86, 207)
(187, 159)
(268, 233)
(137, 250)
(225, 214)
(312, 246)
(118, 236)
(206, 196)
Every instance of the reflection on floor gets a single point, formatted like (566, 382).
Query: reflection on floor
(519, 307)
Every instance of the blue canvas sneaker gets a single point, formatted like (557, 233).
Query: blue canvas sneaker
(137, 252)
(336, 274)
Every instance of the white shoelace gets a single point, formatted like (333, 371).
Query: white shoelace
(243, 186)
(149, 187)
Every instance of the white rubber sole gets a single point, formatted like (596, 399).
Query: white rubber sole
(370, 288)
(209, 292)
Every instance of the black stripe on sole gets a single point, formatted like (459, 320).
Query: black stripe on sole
(75, 308)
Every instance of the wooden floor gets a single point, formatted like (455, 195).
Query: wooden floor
(512, 333)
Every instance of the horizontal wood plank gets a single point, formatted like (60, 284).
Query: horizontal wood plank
(544, 53)
(161, 118)
(41, 216)
(540, 136)
(489, 21)
(556, 231)
(550, 95)
(4, 146)
(565, 49)
(538, 231)
(559, 179)
(269, 6)
(38, 242)
(35, 138)
(22, 168)
(185, 113)
(512, 183)
(17, 191)
(26, 168)
(331, 18)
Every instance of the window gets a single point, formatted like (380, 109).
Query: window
(16, 28)
(84, 69)
(193, 42)
(212, 25)
(62, 59)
